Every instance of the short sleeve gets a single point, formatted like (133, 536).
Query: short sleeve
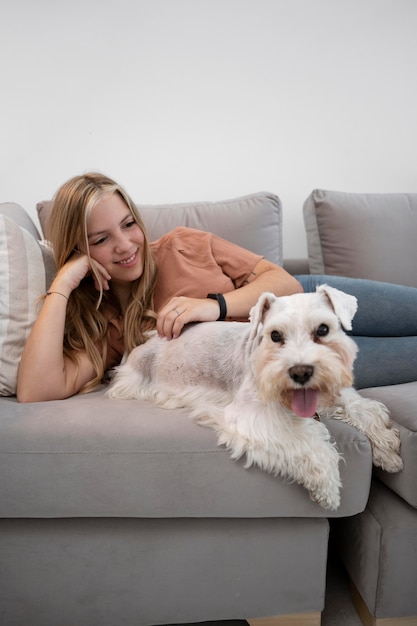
(194, 263)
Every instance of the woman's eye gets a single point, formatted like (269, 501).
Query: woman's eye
(130, 224)
(276, 336)
(99, 241)
(322, 330)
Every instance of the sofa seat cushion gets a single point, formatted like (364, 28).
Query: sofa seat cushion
(89, 456)
(401, 401)
(362, 235)
(253, 221)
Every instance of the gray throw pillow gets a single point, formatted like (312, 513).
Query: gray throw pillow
(362, 235)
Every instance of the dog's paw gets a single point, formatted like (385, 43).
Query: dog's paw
(388, 461)
(327, 499)
(386, 451)
(322, 480)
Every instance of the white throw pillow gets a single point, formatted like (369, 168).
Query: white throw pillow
(25, 274)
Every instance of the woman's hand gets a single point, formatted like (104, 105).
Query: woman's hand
(265, 276)
(181, 310)
(75, 269)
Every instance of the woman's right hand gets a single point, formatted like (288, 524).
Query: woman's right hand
(75, 269)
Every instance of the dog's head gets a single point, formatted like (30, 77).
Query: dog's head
(303, 358)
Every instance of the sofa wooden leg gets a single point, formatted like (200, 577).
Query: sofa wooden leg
(368, 619)
(295, 619)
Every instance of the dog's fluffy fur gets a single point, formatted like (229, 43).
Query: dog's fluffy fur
(258, 384)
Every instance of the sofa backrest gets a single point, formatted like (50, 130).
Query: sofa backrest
(252, 221)
(362, 235)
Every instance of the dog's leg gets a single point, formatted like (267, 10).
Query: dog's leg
(295, 448)
(371, 418)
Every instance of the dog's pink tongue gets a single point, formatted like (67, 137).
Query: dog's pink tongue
(304, 402)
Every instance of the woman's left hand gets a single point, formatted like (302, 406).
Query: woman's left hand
(265, 276)
(181, 310)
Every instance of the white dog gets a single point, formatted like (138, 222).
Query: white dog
(257, 384)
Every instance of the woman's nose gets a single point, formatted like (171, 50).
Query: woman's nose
(121, 243)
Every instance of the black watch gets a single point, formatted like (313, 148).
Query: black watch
(222, 304)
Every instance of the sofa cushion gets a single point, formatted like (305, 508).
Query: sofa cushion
(90, 456)
(253, 221)
(401, 401)
(362, 235)
(25, 271)
(18, 214)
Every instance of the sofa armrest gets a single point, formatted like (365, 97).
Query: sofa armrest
(296, 266)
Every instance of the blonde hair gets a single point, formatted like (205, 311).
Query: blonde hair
(86, 325)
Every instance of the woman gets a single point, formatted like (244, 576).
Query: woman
(112, 285)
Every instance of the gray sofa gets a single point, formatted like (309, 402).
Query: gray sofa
(119, 513)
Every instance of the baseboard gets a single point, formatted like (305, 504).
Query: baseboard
(295, 619)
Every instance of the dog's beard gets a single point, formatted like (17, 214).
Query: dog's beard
(321, 391)
(332, 365)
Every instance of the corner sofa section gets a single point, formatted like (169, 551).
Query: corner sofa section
(373, 236)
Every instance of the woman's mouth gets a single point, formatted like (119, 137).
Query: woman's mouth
(129, 261)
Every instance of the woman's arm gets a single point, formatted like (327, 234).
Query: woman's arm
(44, 372)
(266, 276)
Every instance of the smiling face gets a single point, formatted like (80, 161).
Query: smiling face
(115, 240)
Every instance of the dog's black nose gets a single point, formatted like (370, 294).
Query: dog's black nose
(301, 373)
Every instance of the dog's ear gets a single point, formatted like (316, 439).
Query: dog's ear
(257, 312)
(344, 304)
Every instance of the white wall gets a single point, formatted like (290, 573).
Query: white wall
(209, 99)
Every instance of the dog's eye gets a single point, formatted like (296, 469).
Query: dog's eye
(276, 336)
(322, 330)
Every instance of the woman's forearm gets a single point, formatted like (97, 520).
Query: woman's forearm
(181, 310)
(44, 372)
(275, 280)
(41, 371)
